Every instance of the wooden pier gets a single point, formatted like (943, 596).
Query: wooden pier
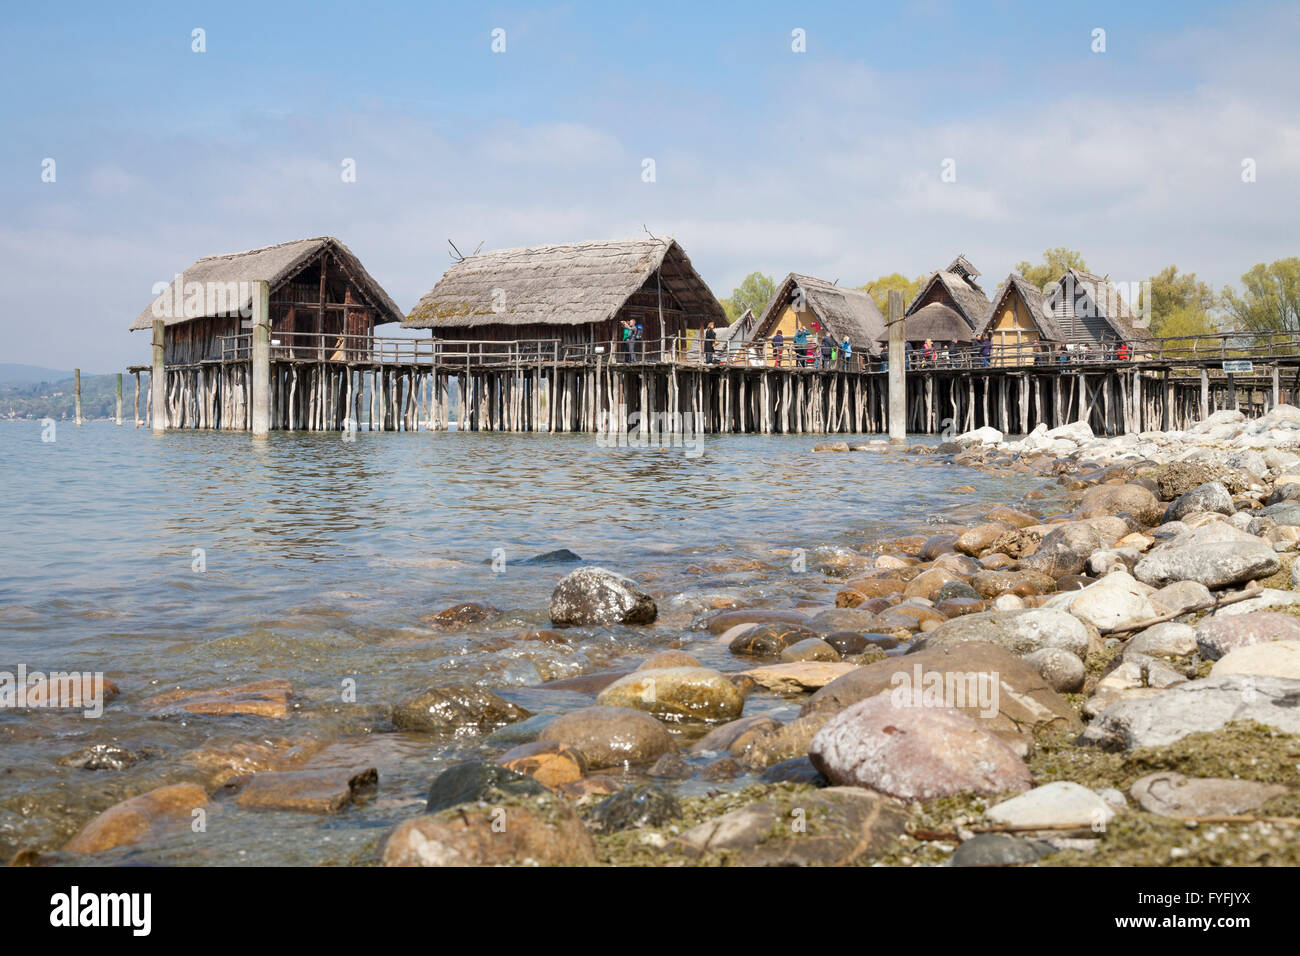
(331, 383)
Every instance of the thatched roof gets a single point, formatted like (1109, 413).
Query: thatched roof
(1049, 329)
(273, 264)
(936, 322)
(575, 284)
(1108, 303)
(847, 313)
(959, 281)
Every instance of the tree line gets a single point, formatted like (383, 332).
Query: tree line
(1268, 299)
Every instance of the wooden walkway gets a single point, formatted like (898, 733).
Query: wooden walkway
(406, 384)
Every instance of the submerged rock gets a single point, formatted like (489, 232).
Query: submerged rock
(550, 763)
(310, 791)
(676, 693)
(140, 818)
(455, 708)
(610, 736)
(478, 782)
(264, 698)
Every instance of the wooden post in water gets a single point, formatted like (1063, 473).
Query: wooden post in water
(261, 356)
(158, 381)
(76, 388)
(118, 420)
(897, 380)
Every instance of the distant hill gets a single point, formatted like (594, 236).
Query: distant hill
(30, 374)
(48, 393)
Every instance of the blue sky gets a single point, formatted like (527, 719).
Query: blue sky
(825, 162)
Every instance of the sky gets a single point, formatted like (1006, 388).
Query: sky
(899, 136)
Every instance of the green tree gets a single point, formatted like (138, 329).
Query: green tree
(1054, 265)
(753, 293)
(1270, 298)
(881, 287)
(1181, 301)
(1188, 322)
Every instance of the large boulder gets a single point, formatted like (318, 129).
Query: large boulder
(1216, 555)
(594, 595)
(1195, 706)
(914, 753)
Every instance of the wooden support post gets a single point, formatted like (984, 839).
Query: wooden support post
(261, 359)
(158, 381)
(117, 420)
(1277, 388)
(76, 388)
(1205, 394)
(897, 379)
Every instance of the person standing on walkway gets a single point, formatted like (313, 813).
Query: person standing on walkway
(709, 338)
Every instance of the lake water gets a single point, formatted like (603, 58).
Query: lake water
(198, 559)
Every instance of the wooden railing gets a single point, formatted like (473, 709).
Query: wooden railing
(1265, 348)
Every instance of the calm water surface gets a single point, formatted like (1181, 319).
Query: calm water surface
(320, 558)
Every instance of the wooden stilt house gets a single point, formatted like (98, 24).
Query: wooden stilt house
(955, 287)
(323, 305)
(576, 295)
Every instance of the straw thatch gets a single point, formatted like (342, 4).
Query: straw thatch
(274, 264)
(1049, 329)
(936, 322)
(847, 313)
(1106, 303)
(958, 281)
(576, 284)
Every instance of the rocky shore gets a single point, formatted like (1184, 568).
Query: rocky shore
(1106, 671)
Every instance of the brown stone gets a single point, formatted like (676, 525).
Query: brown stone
(138, 819)
(852, 824)
(914, 752)
(980, 538)
(610, 736)
(589, 788)
(1005, 515)
(927, 584)
(955, 607)
(1025, 702)
(585, 683)
(753, 615)
(545, 635)
(311, 791)
(549, 762)
(461, 615)
(800, 676)
(734, 736)
(670, 658)
(264, 698)
(538, 831)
